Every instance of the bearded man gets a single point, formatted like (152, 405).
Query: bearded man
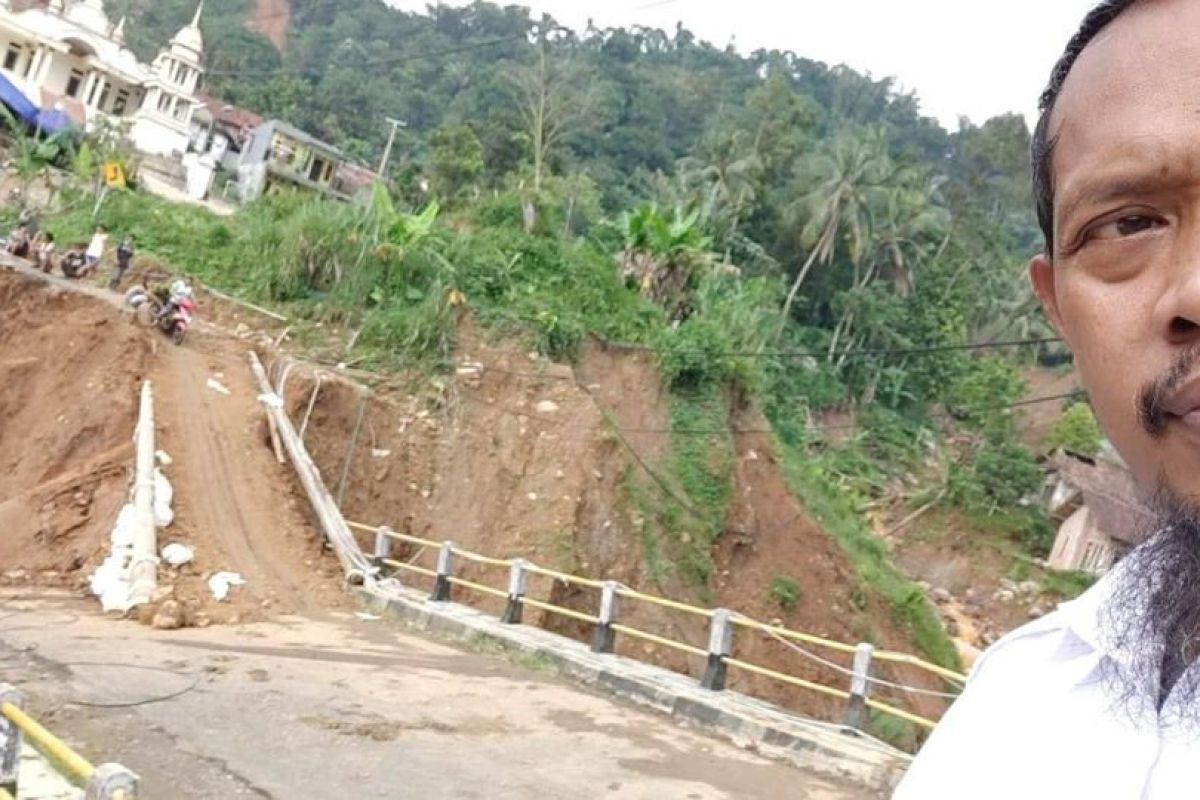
(1101, 699)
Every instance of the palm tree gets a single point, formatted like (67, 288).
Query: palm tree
(844, 179)
(909, 227)
(727, 178)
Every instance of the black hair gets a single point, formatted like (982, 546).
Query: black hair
(1096, 21)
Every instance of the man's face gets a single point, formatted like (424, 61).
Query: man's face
(1123, 282)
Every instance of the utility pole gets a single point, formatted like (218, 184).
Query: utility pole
(387, 151)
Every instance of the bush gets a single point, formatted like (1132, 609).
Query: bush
(1076, 431)
(997, 478)
(786, 592)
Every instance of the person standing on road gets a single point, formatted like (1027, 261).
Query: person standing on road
(124, 260)
(43, 251)
(1101, 699)
(95, 250)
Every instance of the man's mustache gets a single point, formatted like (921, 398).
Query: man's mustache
(1152, 399)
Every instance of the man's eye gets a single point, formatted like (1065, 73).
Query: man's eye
(1128, 225)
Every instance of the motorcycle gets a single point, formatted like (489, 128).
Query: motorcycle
(73, 264)
(175, 319)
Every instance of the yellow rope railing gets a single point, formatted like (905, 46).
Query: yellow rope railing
(900, 714)
(913, 661)
(566, 612)
(479, 587)
(77, 769)
(632, 594)
(429, 573)
(650, 637)
(662, 601)
(779, 630)
(479, 558)
(779, 676)
(403, 537)
(564, 577)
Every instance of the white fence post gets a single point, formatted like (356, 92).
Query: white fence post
(10, 741)
(860, 687)
(516, 591)
(604, 638)
(112, 782)
(445, 567)
(383, 545)
(720, 644)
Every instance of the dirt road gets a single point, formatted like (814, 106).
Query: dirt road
(343, 707)
(234, 502)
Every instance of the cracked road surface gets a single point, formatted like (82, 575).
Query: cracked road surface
(338, 706)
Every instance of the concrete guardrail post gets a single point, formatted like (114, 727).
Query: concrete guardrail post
(605, 638)
(10, 741)
(516, 591)
(383, 546)
(445, 567)
(860, 687)
(112, 782)
(720, 645)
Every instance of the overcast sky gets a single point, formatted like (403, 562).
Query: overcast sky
(961, 57)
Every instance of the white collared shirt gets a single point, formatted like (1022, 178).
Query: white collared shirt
(1036, 722)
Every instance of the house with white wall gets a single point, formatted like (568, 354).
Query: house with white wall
(68, 54)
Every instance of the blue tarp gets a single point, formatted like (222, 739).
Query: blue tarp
(17, 103)
(45, 121)
(51, 121)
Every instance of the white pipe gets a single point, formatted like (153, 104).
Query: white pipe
(333, 524)
(143, 570)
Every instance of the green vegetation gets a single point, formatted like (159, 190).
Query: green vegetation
(1076, 431)
(785, 591)
(779, 234)
(834, 508)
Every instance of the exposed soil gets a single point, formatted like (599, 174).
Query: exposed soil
(69, 372)
(515, 456)
(270, 19)
(72, 365)
(510, 455)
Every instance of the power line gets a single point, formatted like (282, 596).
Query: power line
(874, 351)
(729, 431)
(382, 62)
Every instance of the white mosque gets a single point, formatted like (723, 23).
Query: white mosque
(67, 55)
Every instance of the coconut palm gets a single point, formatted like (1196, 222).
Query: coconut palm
(843, 181)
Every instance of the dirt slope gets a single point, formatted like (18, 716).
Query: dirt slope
(270, 18)
(69, 372)
(71, 367)
(514, 456)
(233, 501)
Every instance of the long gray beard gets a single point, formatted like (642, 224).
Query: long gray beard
(1151, 621)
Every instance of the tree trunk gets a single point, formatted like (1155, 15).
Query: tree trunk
(808, 265)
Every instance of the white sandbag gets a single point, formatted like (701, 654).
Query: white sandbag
(110, 580)
(164, 494)
(177, 554)
(220, 583)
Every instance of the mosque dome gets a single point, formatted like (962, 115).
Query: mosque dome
(89, 14)
(189, 40)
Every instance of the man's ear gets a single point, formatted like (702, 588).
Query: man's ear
(1041, 275)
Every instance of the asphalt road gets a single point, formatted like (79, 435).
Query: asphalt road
(339, 706)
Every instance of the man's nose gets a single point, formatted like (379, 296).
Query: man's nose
(1179, 311)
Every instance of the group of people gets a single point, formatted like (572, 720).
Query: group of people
(29, 242)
